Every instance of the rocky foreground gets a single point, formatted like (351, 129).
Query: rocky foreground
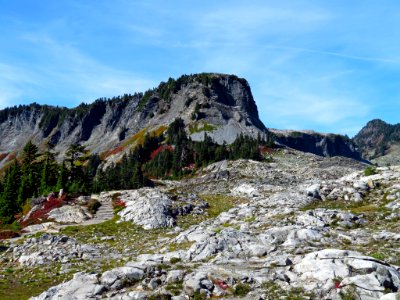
(296, 227)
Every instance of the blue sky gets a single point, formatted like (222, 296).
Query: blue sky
(330, 66)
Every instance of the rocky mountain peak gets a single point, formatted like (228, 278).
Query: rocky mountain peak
(379, 141)
(217, 104)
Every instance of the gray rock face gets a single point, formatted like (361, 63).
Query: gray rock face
(69, 214)
(327, 145)
(147, 207)
(223, 101)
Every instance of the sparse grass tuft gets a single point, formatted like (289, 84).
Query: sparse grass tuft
(242, 289)
(370, 170)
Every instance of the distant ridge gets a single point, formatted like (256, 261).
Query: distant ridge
(379, 142)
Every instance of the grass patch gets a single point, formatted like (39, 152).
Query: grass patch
(378, 255)
(136, 139)
(179, 246)
(218, 203)
(175, 288)
(274, 291)
(201, 127)
(370, 170)
(250, 219)
(23, 283)
(242, 289)
(175, 260)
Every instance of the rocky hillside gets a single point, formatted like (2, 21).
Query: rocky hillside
(220, 105)
(327, 145)
(298, 226)
(380, 142)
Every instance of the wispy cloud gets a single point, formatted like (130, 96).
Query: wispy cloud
(13, 82)
(77, 76)
(338, 54)
(243, 23)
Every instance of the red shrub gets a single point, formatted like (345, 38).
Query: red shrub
(108, 153)
(12, 156)
(189, 167)
(3, 156)
(7, 234)
(119, 203)
(161, 148)
(265, 150)
(40, 215)
(221, 283)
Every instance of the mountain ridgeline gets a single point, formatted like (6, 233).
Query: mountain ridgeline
(379, 142)
(220, 105)
(327, 145)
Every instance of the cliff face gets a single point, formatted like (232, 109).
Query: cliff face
(379, 142)
(220, 105)
(327, 145)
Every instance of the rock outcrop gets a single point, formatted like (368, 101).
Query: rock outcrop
(327, 145)
(149, 208)
(220, 105)
(35, 251)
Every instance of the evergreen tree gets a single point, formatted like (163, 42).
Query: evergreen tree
(49, 172)
(62, 179)
(9, 206)
(176, 132)
(75, 158)
(29, 173)
(137, 177)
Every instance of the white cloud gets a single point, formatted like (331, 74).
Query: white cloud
(248, 24)
(63, 71)
(13, 81)
(328, 110)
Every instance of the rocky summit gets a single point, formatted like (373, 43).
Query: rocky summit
(295, 226)
(217, 104)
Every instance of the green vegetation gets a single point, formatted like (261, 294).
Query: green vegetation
(175, 288)
(199, 296)
(155, 156)
(23, 284)
(241, 289)
(93, 206)
(377, 137)
(201, 127)
(349, 294)
(181, 155)
(274, 291)
(378, 255)
(370, 170)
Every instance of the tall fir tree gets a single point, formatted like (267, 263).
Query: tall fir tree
(9, 205)
(29, 173)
